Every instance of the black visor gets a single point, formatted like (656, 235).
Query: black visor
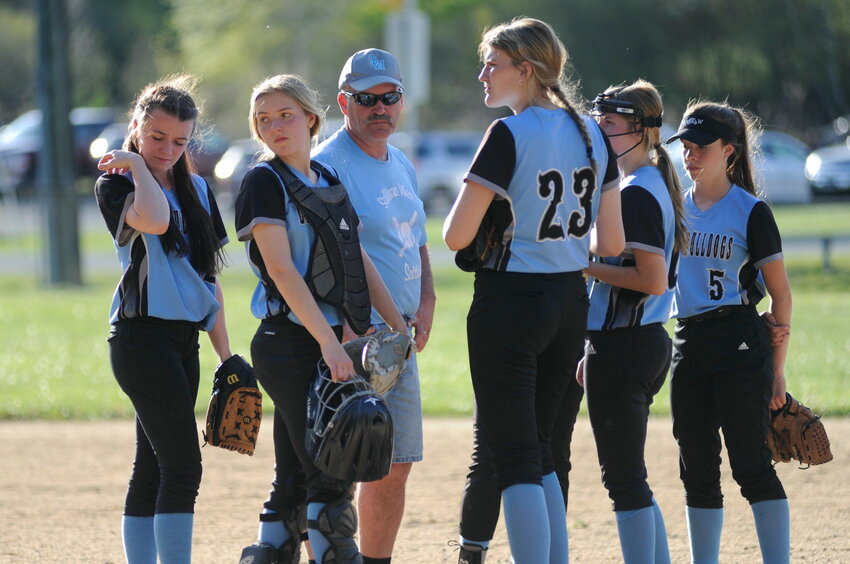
(703, 130)
(605, 104)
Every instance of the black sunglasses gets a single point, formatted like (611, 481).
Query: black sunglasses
(369, 100)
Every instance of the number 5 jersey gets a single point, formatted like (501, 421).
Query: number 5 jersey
(730, 242)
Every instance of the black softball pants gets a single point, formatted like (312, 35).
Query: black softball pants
(722, 378)
(481, 499)
(285, 357)
(155, 361)
(624, 369)
(524, 332)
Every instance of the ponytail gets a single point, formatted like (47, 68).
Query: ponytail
(674, 188)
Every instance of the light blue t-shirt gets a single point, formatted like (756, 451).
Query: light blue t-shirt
(730, 242)
(650, 225)
(392, 217)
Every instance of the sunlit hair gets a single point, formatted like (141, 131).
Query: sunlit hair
(528, 39)
(646, 100)
(297, 88)
(174, 96)
(739, 165)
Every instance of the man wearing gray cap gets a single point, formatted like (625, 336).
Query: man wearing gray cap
(381, 184)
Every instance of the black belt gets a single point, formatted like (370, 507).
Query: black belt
(716, 313)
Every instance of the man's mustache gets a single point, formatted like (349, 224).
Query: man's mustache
(381, 117)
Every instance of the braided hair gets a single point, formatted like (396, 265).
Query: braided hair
(532, 40)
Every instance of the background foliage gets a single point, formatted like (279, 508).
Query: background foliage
(784, 59)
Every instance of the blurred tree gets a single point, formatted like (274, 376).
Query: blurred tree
(17, 60)
(784, 60)
(233, 44)
(119, 47)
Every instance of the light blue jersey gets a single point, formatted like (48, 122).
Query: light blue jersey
(538, 163)
(263, 199)
(156, 283)
(730, 241)
(386, 198)
(650, 225)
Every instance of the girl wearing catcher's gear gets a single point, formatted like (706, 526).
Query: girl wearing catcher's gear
(553, 172)
(299, 324)
(725, 372)
(168, 233)
(630, 299)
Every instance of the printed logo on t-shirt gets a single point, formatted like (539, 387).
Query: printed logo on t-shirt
(387, 195)
(405, 232)
(712, 245)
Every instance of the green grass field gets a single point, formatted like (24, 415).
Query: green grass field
(55, 364)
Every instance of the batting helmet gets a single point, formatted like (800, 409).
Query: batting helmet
(349, 429)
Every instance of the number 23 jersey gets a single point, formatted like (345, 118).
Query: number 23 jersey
(729, 243)
(536, 161)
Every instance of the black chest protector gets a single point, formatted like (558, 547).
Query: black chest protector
(335, 274)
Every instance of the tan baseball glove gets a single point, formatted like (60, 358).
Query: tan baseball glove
(797, 433)
(236, 407)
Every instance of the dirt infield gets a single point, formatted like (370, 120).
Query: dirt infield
(62, 485)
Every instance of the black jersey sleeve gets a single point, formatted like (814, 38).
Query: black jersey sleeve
(612, 173)
(260, 200)
(763, 239)
(494, 162)
(114, 194)
(643, 222)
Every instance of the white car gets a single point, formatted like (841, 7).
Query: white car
(441, 159)
(780, 168)
(828, 168)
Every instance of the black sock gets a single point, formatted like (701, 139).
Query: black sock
(367, 560)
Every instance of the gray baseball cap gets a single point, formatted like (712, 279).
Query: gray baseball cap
(368, 68)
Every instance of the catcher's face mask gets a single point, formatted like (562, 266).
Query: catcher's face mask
(607, 104)
(349, 429)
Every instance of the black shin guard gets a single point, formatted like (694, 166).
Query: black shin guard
(337, 521)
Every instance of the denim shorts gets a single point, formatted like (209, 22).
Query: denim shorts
(405, 404)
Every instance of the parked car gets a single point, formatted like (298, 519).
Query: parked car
(239, 157)
(780, 169)
(20, 145)
(441, 159)
(828, 169)
(205, 152)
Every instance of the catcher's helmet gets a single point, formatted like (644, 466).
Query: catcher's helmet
(349, 429)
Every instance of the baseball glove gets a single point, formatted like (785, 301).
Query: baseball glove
(379, 357)
(796, 432)
(488, 238)
(236, 407)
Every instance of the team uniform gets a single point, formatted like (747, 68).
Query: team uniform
(481, 499)
(392, 218)
(284, 353)
(624, 323)
(722, 370)
(160, 305)
(527, 320)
